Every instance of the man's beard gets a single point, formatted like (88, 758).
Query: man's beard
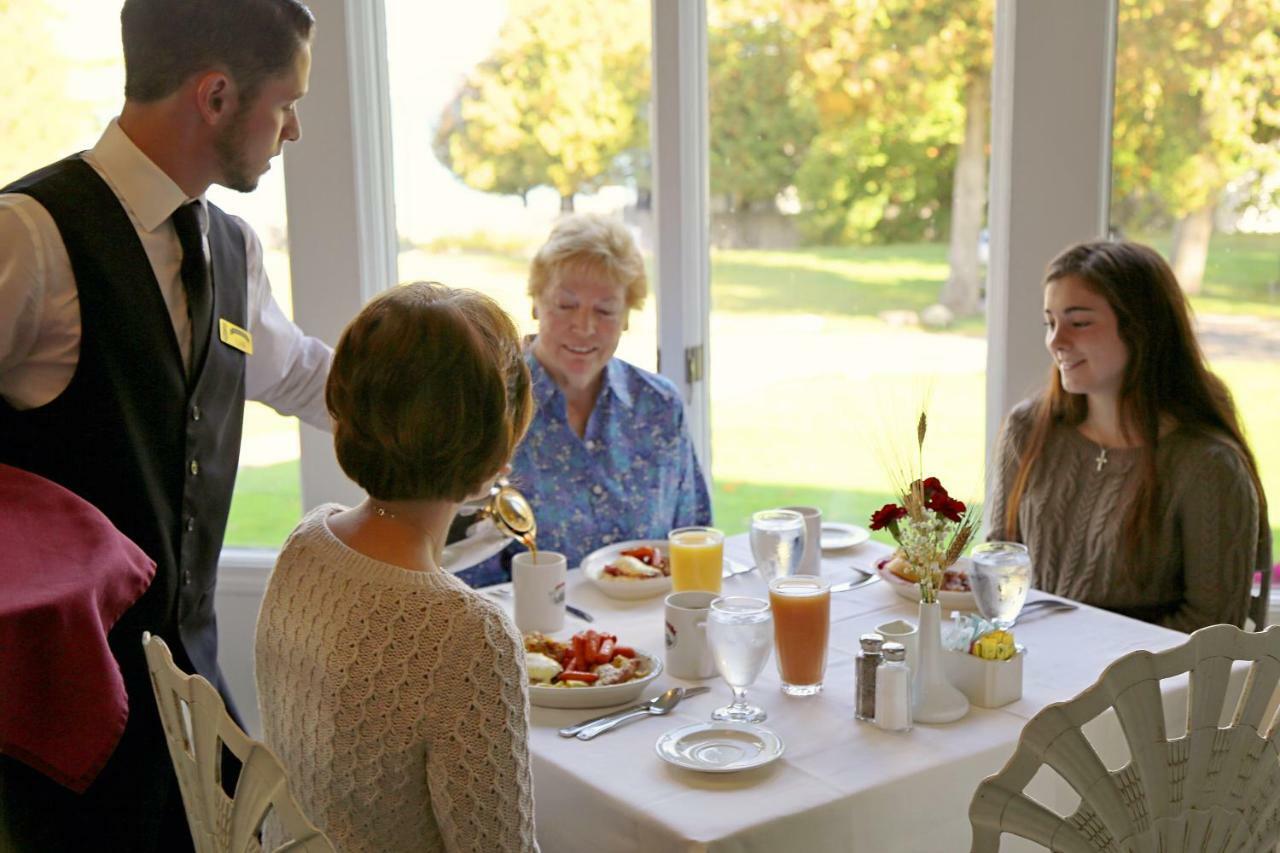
(237, 174)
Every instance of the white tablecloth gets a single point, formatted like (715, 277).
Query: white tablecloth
(841, 784)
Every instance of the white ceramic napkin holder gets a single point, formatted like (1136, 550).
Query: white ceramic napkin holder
(986, 683)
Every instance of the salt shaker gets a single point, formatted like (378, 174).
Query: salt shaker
(893, 689)
(865, 676)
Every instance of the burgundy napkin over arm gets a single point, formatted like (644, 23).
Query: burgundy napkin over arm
(66, 576)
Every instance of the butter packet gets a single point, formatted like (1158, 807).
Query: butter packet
(994, 645)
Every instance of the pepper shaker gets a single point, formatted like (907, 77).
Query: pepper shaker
(865, 676)
(893, 689)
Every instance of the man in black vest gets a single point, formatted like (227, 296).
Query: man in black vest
(135, 319)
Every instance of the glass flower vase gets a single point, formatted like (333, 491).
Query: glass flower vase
(934, 698)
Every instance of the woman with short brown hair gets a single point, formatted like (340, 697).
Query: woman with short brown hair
(394, 694)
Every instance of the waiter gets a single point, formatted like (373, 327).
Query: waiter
(135, 319)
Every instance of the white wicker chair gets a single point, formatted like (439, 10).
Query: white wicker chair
(1213, 789)
(197, 726)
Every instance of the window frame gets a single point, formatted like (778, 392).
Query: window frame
(1045, 192)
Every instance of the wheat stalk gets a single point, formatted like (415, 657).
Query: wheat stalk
(964, 533)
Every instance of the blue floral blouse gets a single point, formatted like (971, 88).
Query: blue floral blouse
(633, 474)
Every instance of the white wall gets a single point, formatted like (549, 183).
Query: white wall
(241, 584)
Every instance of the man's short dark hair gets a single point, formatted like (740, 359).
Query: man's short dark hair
(167, 41)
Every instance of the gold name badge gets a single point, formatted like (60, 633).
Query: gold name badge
(234, 336)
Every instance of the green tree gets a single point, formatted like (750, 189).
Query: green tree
(903, 92)
(1197, 110)
(41, 115)
(762, 115)
(563, 96)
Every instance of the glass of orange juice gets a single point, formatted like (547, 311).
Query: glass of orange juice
(697, 558)
(801, 622)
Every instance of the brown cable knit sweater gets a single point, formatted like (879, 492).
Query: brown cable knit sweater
(1207, 549)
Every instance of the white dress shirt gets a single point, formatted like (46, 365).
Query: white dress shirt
(40, 306)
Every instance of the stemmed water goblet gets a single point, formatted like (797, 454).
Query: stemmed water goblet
(777, 542)
(1001, 577)
(740, 633)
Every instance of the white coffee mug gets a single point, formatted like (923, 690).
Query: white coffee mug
(538, 588)
(688, 653)
(902, 631)
(811, 559)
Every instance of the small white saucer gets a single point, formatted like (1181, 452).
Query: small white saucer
(719, 747)
(838, 537)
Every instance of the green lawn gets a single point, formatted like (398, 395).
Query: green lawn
(810, 385)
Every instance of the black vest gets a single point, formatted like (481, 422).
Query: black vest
(156, 452)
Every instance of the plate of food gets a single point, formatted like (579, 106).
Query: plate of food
(635, 569)
(589, 670)
(955, 594)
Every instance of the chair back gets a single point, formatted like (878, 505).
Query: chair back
(197, 727)
(1212, 789)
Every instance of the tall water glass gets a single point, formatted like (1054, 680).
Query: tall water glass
(740, 632)
(777, 542)
(1001, 578)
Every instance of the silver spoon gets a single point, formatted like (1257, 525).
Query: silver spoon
(659, 707)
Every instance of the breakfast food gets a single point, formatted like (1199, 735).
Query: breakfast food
(638, 564)
(589, 658)
(953, 580)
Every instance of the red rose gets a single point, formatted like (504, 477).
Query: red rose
(951, 508)
(887, 515)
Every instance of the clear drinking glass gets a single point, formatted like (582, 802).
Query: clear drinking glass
(801, 624)
(697, 558)
(777, 542)
(740, 632)
(1001, 578)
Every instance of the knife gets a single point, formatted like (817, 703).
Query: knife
(503, 592)
(685, 693)
(856, 582)
(580, 613)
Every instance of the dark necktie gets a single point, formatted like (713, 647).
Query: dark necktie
(196, 281)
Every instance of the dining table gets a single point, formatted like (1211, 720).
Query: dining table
(840, 783)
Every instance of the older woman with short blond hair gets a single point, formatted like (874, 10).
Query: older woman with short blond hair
(608, 455)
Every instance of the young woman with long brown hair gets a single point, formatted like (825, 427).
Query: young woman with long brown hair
(1129, 477)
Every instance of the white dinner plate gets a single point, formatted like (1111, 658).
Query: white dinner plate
(949, 599)
(837, 537)
(719, 747)
(593, 566)
(590, 696)
(627, 588)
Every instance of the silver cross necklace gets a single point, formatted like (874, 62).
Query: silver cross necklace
(1102, 458)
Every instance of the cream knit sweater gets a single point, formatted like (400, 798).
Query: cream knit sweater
(397, 701)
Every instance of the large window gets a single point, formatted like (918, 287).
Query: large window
(61, 82)
(504, 118)
(848, 162)
(1196, 174)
